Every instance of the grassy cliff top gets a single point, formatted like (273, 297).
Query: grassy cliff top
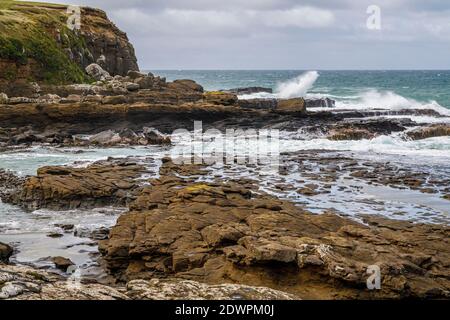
(36, 33)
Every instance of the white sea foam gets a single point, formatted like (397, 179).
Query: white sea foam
(293, 88)
(297, 87)
(394, 144)
(375, 99)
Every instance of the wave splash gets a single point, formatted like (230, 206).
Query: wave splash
(297, 87)
(388, 100)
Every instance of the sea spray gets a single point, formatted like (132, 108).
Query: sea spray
(297, 87)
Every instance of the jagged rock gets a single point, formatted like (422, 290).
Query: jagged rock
(294, 105)
(436, 130)
(109, 182)
(25, 283)
(178, 289)
(220, 98)
(62, 263)
(6, 252)
(97, 72)
(3, 98)
(216, 232)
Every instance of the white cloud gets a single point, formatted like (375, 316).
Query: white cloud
(301, 17)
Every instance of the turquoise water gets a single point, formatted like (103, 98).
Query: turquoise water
(421, 86)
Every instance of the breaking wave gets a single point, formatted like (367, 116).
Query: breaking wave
(297, 87)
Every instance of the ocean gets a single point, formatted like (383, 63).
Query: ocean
(368, 89)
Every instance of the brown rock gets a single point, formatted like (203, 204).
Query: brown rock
(221, 232)
(62, 263)
(6, 252)
(220, 98)
(114, 99)
(350, 134)
(436, 130)
(102, 183)
(295, 105)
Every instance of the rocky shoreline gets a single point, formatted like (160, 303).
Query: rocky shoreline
(201, 237)
(197, 231)
(178, 229)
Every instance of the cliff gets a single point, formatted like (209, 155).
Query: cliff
(36, 44)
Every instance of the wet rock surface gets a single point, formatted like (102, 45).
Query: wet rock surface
(437, 130)
(110, 182)
(223, 232)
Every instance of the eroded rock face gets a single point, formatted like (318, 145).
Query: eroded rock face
(53, 53)
(216, 232)
(178, 289)
(102, 183)
(437, 130)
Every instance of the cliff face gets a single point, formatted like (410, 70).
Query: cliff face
(37, 45)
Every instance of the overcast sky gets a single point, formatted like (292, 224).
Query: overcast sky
(283, 34)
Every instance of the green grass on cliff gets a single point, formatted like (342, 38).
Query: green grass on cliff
(28, 33)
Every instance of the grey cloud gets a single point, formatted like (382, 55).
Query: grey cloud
(303, 34)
